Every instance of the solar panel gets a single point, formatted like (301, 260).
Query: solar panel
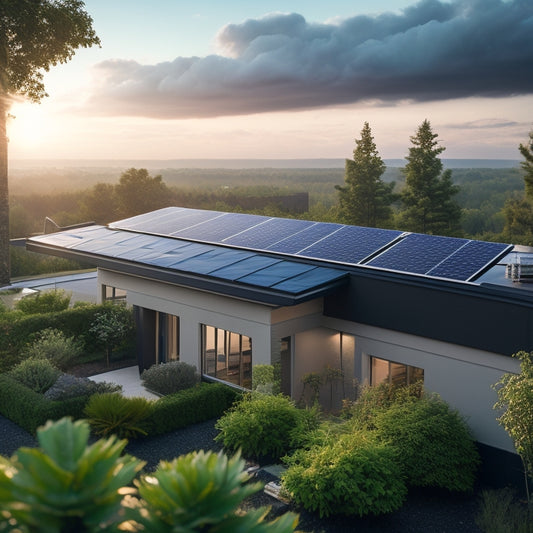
(211, 260)
(350, 244)
(266, 277)
(310, 279)
(303, 239)
(244, 267)
(263, 235)
(470, 260)
(217, 229)
(437, 256)
(417, 253)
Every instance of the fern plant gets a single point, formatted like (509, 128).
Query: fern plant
(112, 413)
(65, 485)
(201, 491)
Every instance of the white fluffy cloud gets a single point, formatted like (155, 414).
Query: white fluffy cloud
(433, 50)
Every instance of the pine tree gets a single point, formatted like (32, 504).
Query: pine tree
(365, 200)
(429, 193)
(527, 152)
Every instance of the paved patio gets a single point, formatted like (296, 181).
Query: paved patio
(129, 379)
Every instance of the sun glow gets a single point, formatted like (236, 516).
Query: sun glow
(28, 127)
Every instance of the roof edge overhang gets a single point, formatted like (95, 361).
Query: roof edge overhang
(271, 297)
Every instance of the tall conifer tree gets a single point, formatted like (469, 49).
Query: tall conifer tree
(429, 193)
(365, 200)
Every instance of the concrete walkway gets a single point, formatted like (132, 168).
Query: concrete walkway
(129, 379)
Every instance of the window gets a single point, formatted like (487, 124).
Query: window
(167, 338)
(383, 371)
(227, 356)
(113, 294)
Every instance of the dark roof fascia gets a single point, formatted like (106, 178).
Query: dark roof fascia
(244, 292)
(489, 291)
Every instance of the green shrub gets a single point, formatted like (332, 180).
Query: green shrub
(53, 345)
(69, 386)
(168, 378)
(261, 425)
(266, 379)
(112, 413)
(16, 328)
(201, 491)
(36, 374)
(376, 399)
(190, 406)
(502, 512)
(433, 443)
(65, 485)
(29, 409)
(354, 474)
(44, 302)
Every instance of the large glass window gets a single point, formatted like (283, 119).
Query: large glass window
(227, 356)
(383, 371)
(167, 338)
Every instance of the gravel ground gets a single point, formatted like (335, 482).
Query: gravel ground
(425, 511)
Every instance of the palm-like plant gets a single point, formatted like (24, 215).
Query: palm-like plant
(66, 485)
(201, 491)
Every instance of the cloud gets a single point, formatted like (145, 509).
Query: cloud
(433, 50)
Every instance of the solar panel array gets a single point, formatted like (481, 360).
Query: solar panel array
(428, 255)
(226, 264)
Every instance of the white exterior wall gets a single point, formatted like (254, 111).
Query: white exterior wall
(462, 376)
(195, 308)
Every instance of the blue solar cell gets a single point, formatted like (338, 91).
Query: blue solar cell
(311, 279)
(469, 260)
(212, 260)
(173, 258)
(220, 228)
(261, 236)
(269, 276)
(304, 238)
(244, 267)
(417, 253)
(146, 221)
(350, 244)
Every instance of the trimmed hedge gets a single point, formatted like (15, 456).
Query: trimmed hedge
(17, 329)
(29, 409)
(198, 404)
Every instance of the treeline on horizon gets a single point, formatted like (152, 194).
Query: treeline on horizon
(96, 194)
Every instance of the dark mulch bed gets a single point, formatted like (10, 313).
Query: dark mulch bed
(99, 367)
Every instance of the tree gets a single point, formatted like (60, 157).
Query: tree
(34, 35)
(519, 212)
(515, 402)
(428, 195)
(365, 200)
(137, 192)
(99, 204)
(527, 152)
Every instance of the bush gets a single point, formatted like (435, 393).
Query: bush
(52, 344)
(44, 302)
(168, 378)
(36, 374)
(352, 475)
(502, 512)
(190, 406)
(433, 442)
(112, 413)
(29, 409)
(266, 379)
(68, 386)
(265, 425)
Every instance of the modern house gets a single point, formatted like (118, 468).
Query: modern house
(227, 292)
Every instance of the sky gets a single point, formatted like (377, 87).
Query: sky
(287, 79)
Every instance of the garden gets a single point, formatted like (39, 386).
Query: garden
(363, 461)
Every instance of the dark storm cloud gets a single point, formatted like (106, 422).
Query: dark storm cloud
(433, 50)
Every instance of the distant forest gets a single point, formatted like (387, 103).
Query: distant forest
(64, 194)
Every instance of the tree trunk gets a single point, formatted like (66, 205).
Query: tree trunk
(4, 197)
